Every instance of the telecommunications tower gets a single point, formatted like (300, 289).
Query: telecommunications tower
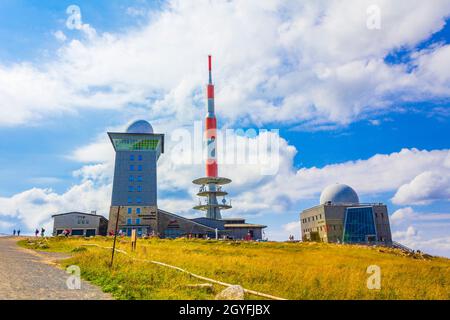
(211, 185)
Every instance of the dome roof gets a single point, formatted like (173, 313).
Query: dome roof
(339, 193)
(140, 126)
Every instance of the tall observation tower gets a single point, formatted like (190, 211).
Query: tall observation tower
(134, 192)
(211, 185)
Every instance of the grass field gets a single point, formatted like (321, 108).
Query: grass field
(287, 270)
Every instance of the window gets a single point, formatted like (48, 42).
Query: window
(359, 225)
(131, 157)
(138, 221)
(129, 221)
(129, 200)
(139, 188)
(138, 210)
(131, 178)
(139, 167)
(131, 167)
(138, 200)
(135, 144)
(140, 157)
(130, 188)
(139, 178)
(130, 210)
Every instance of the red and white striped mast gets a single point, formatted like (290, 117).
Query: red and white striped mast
(211, 184)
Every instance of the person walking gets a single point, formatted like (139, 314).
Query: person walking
(14, 232)
(42, 232)
(18, 233)
(36, 232)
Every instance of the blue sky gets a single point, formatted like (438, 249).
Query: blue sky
(346, 100)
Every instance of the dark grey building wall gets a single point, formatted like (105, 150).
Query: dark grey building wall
(122, 173)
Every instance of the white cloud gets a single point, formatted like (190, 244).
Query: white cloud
(292, 227)
(409, 233)
(425, 188)
(316, 59)
(408, 215)
(34, 207)
(59, 35)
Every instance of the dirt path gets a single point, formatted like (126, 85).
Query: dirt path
(25, 274)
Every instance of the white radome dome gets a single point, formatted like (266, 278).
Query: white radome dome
(140, 126)
(339, 193)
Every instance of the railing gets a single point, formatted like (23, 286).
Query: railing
(401, 246)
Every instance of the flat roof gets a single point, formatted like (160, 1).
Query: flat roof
(343, 204)
(244, 225)
(76, 212)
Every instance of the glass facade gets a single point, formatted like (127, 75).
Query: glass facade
(135, 144)
(359, 225)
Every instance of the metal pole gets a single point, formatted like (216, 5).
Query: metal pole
(115, 237)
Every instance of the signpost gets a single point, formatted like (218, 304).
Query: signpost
(115, 237)
(133, 239)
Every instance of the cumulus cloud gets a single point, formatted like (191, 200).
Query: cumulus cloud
(425, 188)
(314, 62)
(408, 215)
(34, 207)
(292, 227)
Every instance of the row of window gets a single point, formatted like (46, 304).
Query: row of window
(138, 210)
(137, 221)
(133, 167)
(138, 200)
(323, 228)
(138, 178)
(313, 218)
(131, 188)
(132, 157)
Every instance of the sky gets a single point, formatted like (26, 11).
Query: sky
(353, 92)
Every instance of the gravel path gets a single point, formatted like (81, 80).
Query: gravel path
(26, 274)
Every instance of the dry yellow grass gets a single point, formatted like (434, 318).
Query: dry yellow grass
(288, 270)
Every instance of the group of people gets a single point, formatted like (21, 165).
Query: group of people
(291, 238)
(36, 232)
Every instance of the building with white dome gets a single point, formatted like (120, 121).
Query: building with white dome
(341, 218)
